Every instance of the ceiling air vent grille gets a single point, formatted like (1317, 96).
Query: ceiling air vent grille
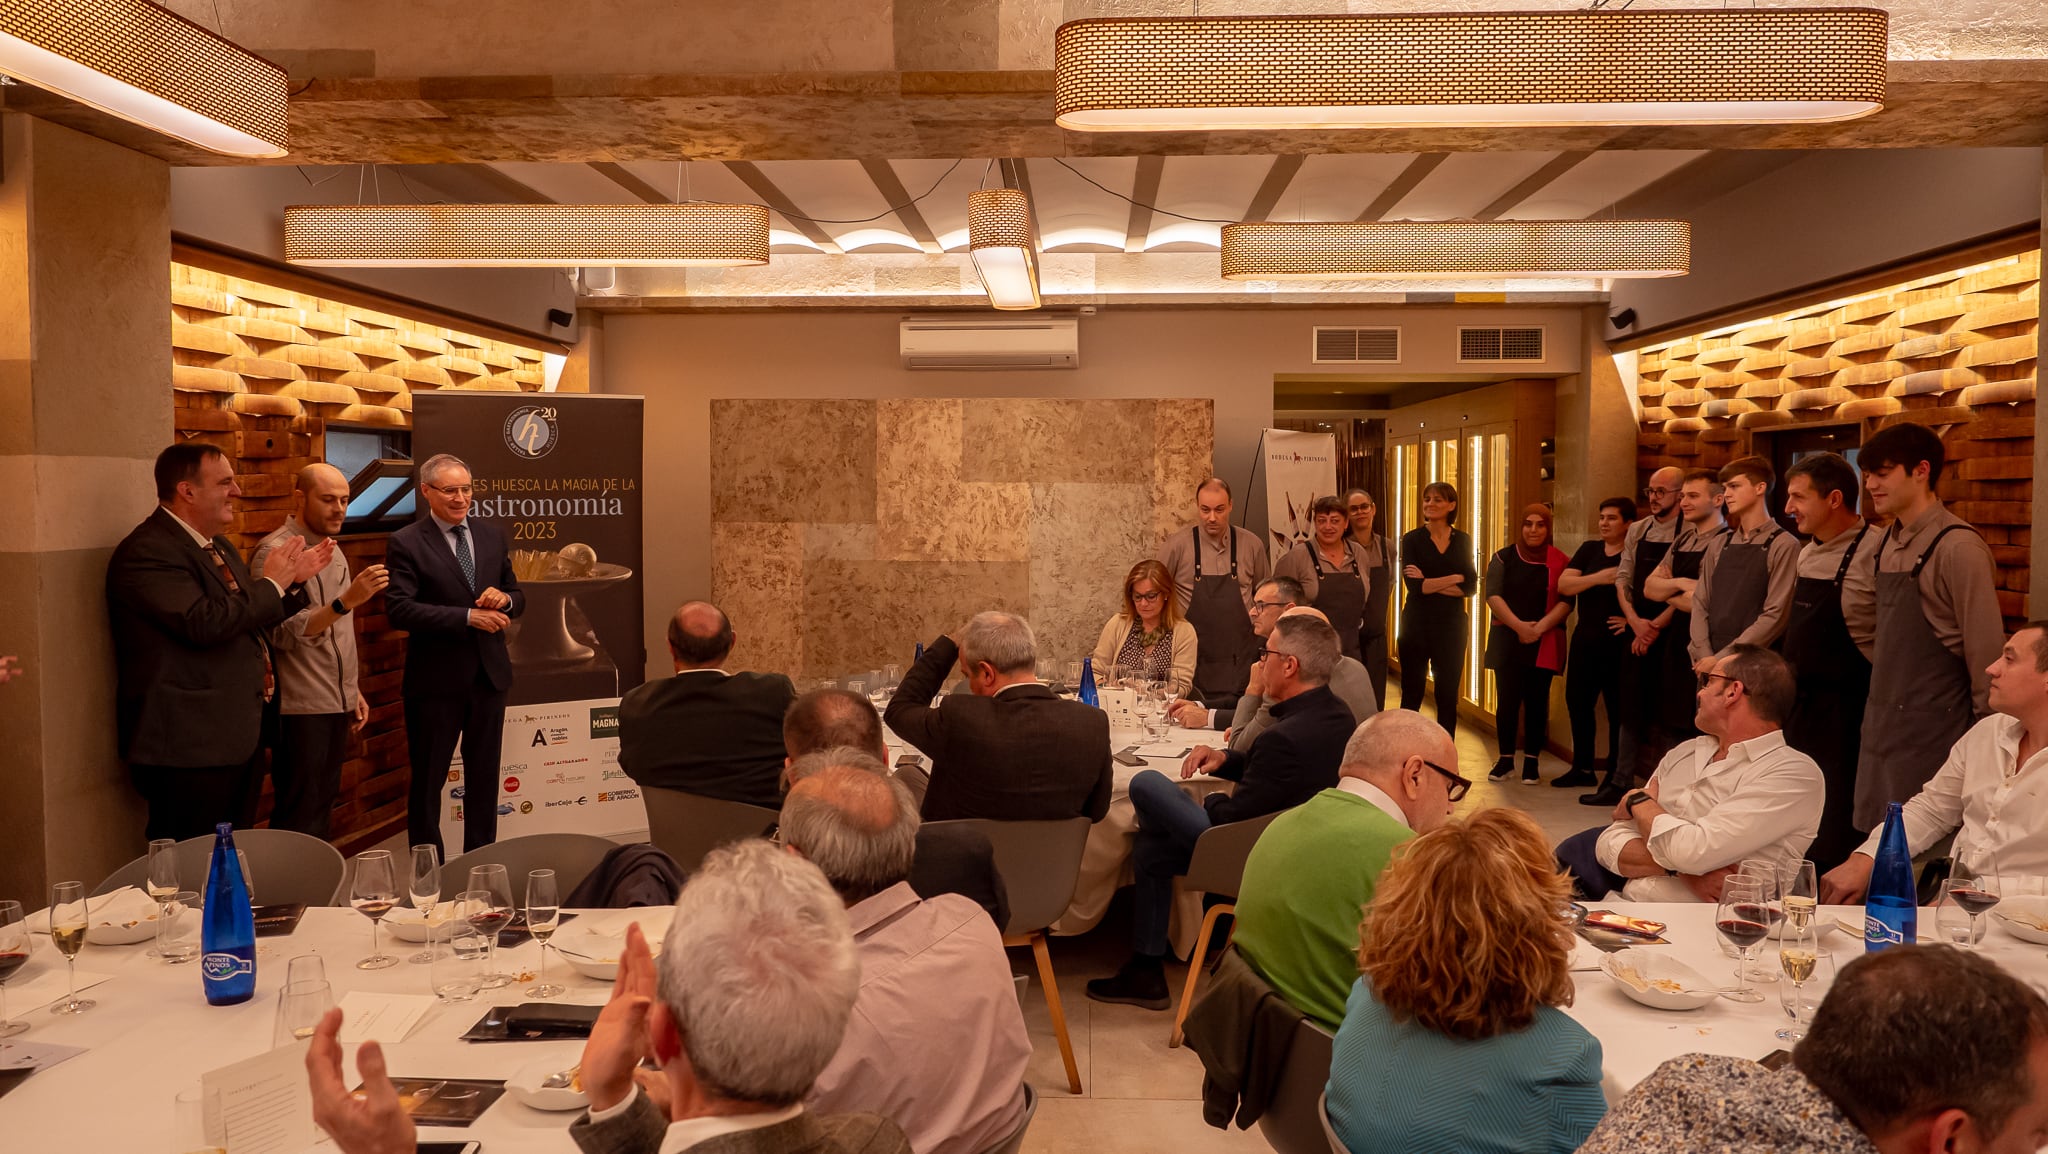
(1335, 346)
(1500, 344)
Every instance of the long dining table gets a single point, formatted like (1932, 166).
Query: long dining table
(152, 1033)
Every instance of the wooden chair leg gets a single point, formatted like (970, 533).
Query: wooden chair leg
(1052, 1003)
(1187, 993)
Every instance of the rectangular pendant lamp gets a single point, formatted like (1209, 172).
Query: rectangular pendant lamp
(999, 239)
(1335, 250)
(546, 235)
(146, 64)
(1470, 69)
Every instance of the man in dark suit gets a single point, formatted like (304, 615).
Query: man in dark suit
(739, 1043)
(706, 731)
(188, 621)
(1292, 760)
(452, 589)
(1013, 750)
(949, 859)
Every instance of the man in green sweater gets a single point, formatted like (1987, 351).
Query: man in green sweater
(1309, 879)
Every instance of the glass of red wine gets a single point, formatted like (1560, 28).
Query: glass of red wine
(1972, 887)
(13, 955)
(1743, 919)
(491, 914)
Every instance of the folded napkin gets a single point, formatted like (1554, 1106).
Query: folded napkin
(123, 907)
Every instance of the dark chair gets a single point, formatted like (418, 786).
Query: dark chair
(571, 855)
(1293, 1121)
(1217, 867)
(285, 868)
(1040, 863)
(686, 826)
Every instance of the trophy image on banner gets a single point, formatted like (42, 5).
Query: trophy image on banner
(555, 636)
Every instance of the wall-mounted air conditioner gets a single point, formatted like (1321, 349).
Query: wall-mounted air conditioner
(988, 343)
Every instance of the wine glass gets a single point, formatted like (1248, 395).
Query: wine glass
(425, 888)
(1972, 888)
(163, 869)
(1799, 957)
(1743, 918)
(68, 921)
(491, 914)
(543, 914)
(1765, 872)
(300, 1006)
(1071, 677)
(373, 895)
(248, 879)
(14, 949)
(1802, 893)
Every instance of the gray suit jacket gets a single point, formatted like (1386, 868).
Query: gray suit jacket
(1348, 681)
(641, 1128)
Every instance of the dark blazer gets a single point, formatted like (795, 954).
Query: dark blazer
(708, 733)
(642, 1127)
(1022, 755)
(189, 652)
(1294, 759)
(428, 599)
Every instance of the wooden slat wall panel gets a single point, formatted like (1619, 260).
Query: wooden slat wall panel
(1956, 351)
(259, 371)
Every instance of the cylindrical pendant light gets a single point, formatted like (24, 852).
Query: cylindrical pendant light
(999, 239)
(1335, 250)
(147, 64)
(714, 235)
(1470, 69)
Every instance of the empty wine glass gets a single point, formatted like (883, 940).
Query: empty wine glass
(248, 878)
(14, 950)
(1071, 675)
(373, 895)
(68, 922)
(1743, 919)
(300, 1006)
(1971, 889)
(491, 914)
(543, 914)
(425, 889)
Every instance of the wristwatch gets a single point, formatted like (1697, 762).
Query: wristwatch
(340, 610)
(1634, 799)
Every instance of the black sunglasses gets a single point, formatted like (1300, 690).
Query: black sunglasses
(1459, 786)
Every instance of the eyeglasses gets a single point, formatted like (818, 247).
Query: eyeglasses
(1459, 786)
(453, 490)
(1655, 491)
(1262, 606)
(1146, 598)
(1361, 508)
(1706, 679)
(1269, 652)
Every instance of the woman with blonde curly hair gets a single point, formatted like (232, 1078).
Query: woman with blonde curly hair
(1452, 1039)
(1148, 637)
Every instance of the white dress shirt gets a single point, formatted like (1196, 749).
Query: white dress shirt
(2000, 805)
(1762, 800)
(205, 545)
(448, 535)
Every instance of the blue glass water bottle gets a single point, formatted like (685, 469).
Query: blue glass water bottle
(1891, 907)
(919, 655)
(227, 933)
(1087, 691)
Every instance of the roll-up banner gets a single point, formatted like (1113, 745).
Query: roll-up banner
(559, 473)
(1299, 468)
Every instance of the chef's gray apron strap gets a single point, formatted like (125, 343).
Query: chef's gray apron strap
(1223, 631)
(1341, 597)
(1920, 703)
(1677, 687)
(1833, 682)
(1742, 580)
(1372, 634)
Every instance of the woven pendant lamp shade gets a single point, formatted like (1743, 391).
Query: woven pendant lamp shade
(1470, 69)
(716, 235)
(146, 64)
(1333, 250)
(1000, 241)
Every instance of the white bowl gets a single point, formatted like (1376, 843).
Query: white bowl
(122, 933)
(525, 1086)
(2024, 916)
(1824, 925)
(593, 943)
(410, 925)
(1637, 971)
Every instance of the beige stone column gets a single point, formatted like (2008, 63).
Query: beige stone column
(1596, 436)
(85, 405)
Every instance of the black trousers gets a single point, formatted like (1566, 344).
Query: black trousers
(433, 726)
(1594, 675)
(1372, 648)
(187, 801)
(1523, 697)
(305, 771)
(1434, 646)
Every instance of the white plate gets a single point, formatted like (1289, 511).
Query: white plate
(2022, 916)
(410, 925)
(525, 1086)
(593, 942)
(1648, 967)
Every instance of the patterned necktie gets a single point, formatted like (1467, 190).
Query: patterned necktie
(463, 558)
(227, 577)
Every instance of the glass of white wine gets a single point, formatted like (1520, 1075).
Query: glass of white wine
(1802, 893)
(425, 888)
(161, 881)
(543, 914)
(1808, 972)
(14, 948)
(68, 921)
(373, 895)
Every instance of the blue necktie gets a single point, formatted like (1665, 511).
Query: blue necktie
(463, 558)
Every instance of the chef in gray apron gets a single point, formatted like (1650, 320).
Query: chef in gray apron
(1341, 595)
(1372, 634)
(1742, 579)
(1677, 688)
(1920, 701)
(1833, 679)
(1641, 676)
(1223, 630)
